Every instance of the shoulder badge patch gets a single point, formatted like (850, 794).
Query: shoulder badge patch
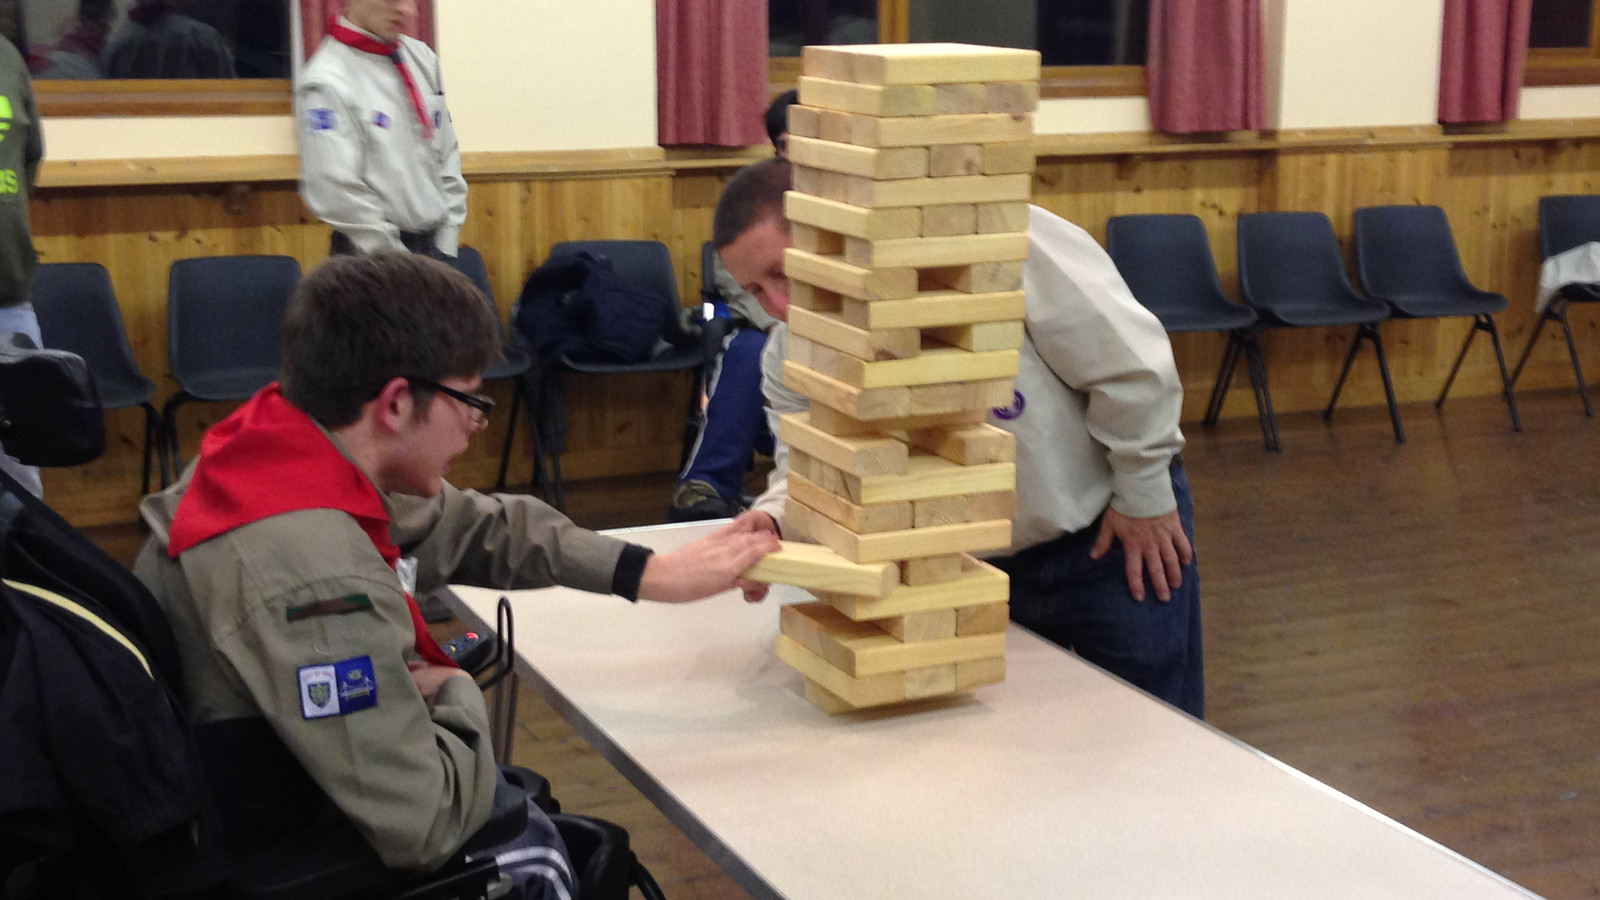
(337, 689)
(380, 119)
(321, 119)
(347, 604)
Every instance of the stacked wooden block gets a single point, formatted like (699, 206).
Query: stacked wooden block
(912, 171)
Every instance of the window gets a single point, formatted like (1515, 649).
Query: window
(1563, 43)
(1089, 47)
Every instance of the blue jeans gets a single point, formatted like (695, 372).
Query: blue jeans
(21, 318)
(736, 421)
(1085, 606)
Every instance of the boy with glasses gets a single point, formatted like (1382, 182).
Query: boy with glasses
(288, 555)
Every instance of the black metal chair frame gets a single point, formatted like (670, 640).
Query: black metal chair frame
(1246, 342)
(1556, 310)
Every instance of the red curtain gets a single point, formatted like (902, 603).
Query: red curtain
(711, 72)
(1485, 46)
(314, 21)
(1203, 67)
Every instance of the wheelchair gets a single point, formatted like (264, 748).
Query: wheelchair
(108, 791)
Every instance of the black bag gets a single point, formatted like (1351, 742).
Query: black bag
(54, 390)
(576, 307)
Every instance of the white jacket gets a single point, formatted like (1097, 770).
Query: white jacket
(365, 167)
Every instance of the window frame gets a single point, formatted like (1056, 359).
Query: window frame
(131, 97)
(894, 27)
(1561, 66)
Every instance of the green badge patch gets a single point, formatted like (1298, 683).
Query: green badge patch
(348, 604)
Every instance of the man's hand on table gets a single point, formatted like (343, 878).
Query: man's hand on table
(711, 565)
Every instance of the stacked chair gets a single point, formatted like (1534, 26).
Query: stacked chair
(1566, 222)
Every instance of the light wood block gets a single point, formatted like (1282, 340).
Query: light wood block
(831, 703)
(968, 445)
(830, 329)
(979, 672)
(982, 337)
(928, 399)
(860, 519)
(931, 570)
(933, 681)
(925, 476)
(876, 690)
(931, 63)
(936, 511)
(862, 455)
(821, 183)
(945, 160)
(804, 122)
(834, 422)
(994, 505)
(865, 192)
(1005, 159)
(978, 278)
(938, 625)
(997, 218)
(960, 99)
(862, 649)
(879, 403)
(964, 581)
(936, 251)
(833, 274)
(1011, 96)
(816, 240)
(922, 131)
(984, 618)
(934, 309)
(899, 162)
(870, 224)
(816, 568)
(869, 99)
(834, 125)
(810, 297)
(967, 537)
(949, 219)
(939, 365)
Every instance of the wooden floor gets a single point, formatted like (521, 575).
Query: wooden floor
(1416, 625)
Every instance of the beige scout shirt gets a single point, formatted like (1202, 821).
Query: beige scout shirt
(416, 779)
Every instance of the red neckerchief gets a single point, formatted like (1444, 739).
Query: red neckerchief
(269, 458)
(366, 44)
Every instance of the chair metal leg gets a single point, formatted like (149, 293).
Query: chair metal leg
(511, 432)
(1577, 370)
(692, 418)
(152, 425)
(1505, 380)
(1263, 393)
(1388, 385)
(1349, 358)
(1219, 391)
(1477, 323)
(1533, 340)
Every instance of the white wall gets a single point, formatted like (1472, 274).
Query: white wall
(1353, 63)
(1578, 102)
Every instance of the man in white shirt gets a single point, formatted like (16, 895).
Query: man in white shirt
(379, 157)
(1104, 522)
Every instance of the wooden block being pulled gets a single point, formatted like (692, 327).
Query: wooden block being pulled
(930, 570)
(817, 568)
(936, 365)
(968, 537)
(939, 624)
(967, 444)
(936, 252)
(840, 277)
(875, 690)
(858, 403)
(857, 518)
(842, 218)
(862, 649)
(831, 329)
(965, 582)
(930, 63)
(978, 278)
(867, 99)
(925, 476)
(922, 131)
(955, 159)
(898, 162)
(834, 422)
(865, 192)
(859, 455)
(982, 337)
(934, 309)
(1006, 159)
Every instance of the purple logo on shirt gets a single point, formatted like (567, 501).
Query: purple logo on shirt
(1007, 413)
(321, 120)
(380, 119)
(438, 119)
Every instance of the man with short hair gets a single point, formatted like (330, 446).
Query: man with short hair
(288, 555)
(378, 152)
(1104, 517)
(21, 149)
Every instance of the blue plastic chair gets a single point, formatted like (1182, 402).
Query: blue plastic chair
(1291, 273)
(1167, 262)
(1565, 222)
(515, 363)
(645, 266)
(78, 312)
(1406, 256)
(224, 331)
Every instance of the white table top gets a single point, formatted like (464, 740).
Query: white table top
(1060, 782)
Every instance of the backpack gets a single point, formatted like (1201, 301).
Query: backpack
(575, 307)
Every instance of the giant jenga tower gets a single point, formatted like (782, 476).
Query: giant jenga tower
(912, 170)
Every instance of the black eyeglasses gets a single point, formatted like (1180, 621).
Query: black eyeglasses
(480, 406)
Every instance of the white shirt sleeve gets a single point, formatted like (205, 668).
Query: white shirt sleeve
(332, 182)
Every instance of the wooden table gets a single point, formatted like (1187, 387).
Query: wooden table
(1061, 782)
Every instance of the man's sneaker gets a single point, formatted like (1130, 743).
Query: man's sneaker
(694, 500)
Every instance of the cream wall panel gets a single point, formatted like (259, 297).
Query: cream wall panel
(168, 136)
(1353, 63)
(1579, 102)
(1092, 115)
